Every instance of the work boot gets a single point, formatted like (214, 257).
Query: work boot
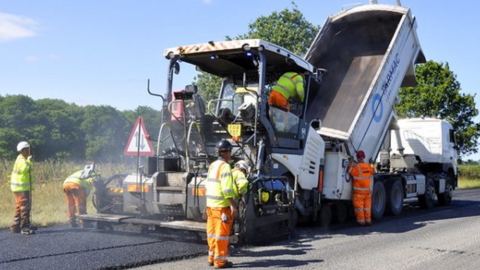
(73, 224)
(16, 230)
(210, 263)
(27, 231)
(226, 265)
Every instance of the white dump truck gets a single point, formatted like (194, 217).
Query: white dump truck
(298, 158)
(370, 52)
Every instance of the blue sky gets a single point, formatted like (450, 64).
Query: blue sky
(103, 51)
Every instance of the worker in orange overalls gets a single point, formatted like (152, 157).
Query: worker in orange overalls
(77, 187)
(221, 206)
(287, 87)
(362, 173)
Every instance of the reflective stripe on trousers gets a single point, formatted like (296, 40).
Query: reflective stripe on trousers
(76, 200)
(362, 202)
(21, 217)
(218, 234)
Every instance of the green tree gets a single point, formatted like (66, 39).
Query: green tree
(106, 132)
(150, 116)
(287, 28)
(64, 139)
(21, 120)
(438, 94)
(60, 130)
(208, 86)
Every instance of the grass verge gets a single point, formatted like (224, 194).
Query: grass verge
(465, 183)
(48, 201)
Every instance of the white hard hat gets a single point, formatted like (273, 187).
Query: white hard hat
(241, 164)
(22, 145)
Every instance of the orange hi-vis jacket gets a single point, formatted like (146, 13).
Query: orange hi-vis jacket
(362, 177)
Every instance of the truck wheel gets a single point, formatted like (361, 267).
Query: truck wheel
(378, 200)
(340, 213)
(324, 216)
(427, 200)
(395, 198)
(446, 198)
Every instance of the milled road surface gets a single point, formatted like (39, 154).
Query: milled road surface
(441, 238)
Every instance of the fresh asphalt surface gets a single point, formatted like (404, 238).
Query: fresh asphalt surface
(440, 238)
(65, 248)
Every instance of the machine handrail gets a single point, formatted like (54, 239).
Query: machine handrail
(217, 100)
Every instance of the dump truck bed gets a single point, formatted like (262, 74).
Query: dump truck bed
(369, 52)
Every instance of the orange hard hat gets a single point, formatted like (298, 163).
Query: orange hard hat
(360, 154)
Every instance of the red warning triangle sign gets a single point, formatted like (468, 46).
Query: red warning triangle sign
(138, 144)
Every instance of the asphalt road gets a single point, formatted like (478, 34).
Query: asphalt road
(441, 238)
(71, 249)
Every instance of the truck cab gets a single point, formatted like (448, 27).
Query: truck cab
(431, 141)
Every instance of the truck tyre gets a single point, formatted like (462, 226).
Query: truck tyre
(324, 216)
(340, 213)
(378, 200)
(446, 198)
(427, 200)
(395, 198)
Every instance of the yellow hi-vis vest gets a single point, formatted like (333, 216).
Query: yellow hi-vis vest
(289, 85)
(219, 184)
(240, 183)
(22, 176)
(84, 183)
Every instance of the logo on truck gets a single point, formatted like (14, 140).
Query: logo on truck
(391, 71)
(377, 98)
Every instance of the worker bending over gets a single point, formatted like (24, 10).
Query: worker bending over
(362, 173)
(77, 187)
(21, 184)
(288, 86)
(221, 206)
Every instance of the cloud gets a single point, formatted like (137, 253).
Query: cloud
(207, 1)
(14, 27)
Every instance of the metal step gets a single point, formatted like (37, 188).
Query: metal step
(104, 217)
(185, 225)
